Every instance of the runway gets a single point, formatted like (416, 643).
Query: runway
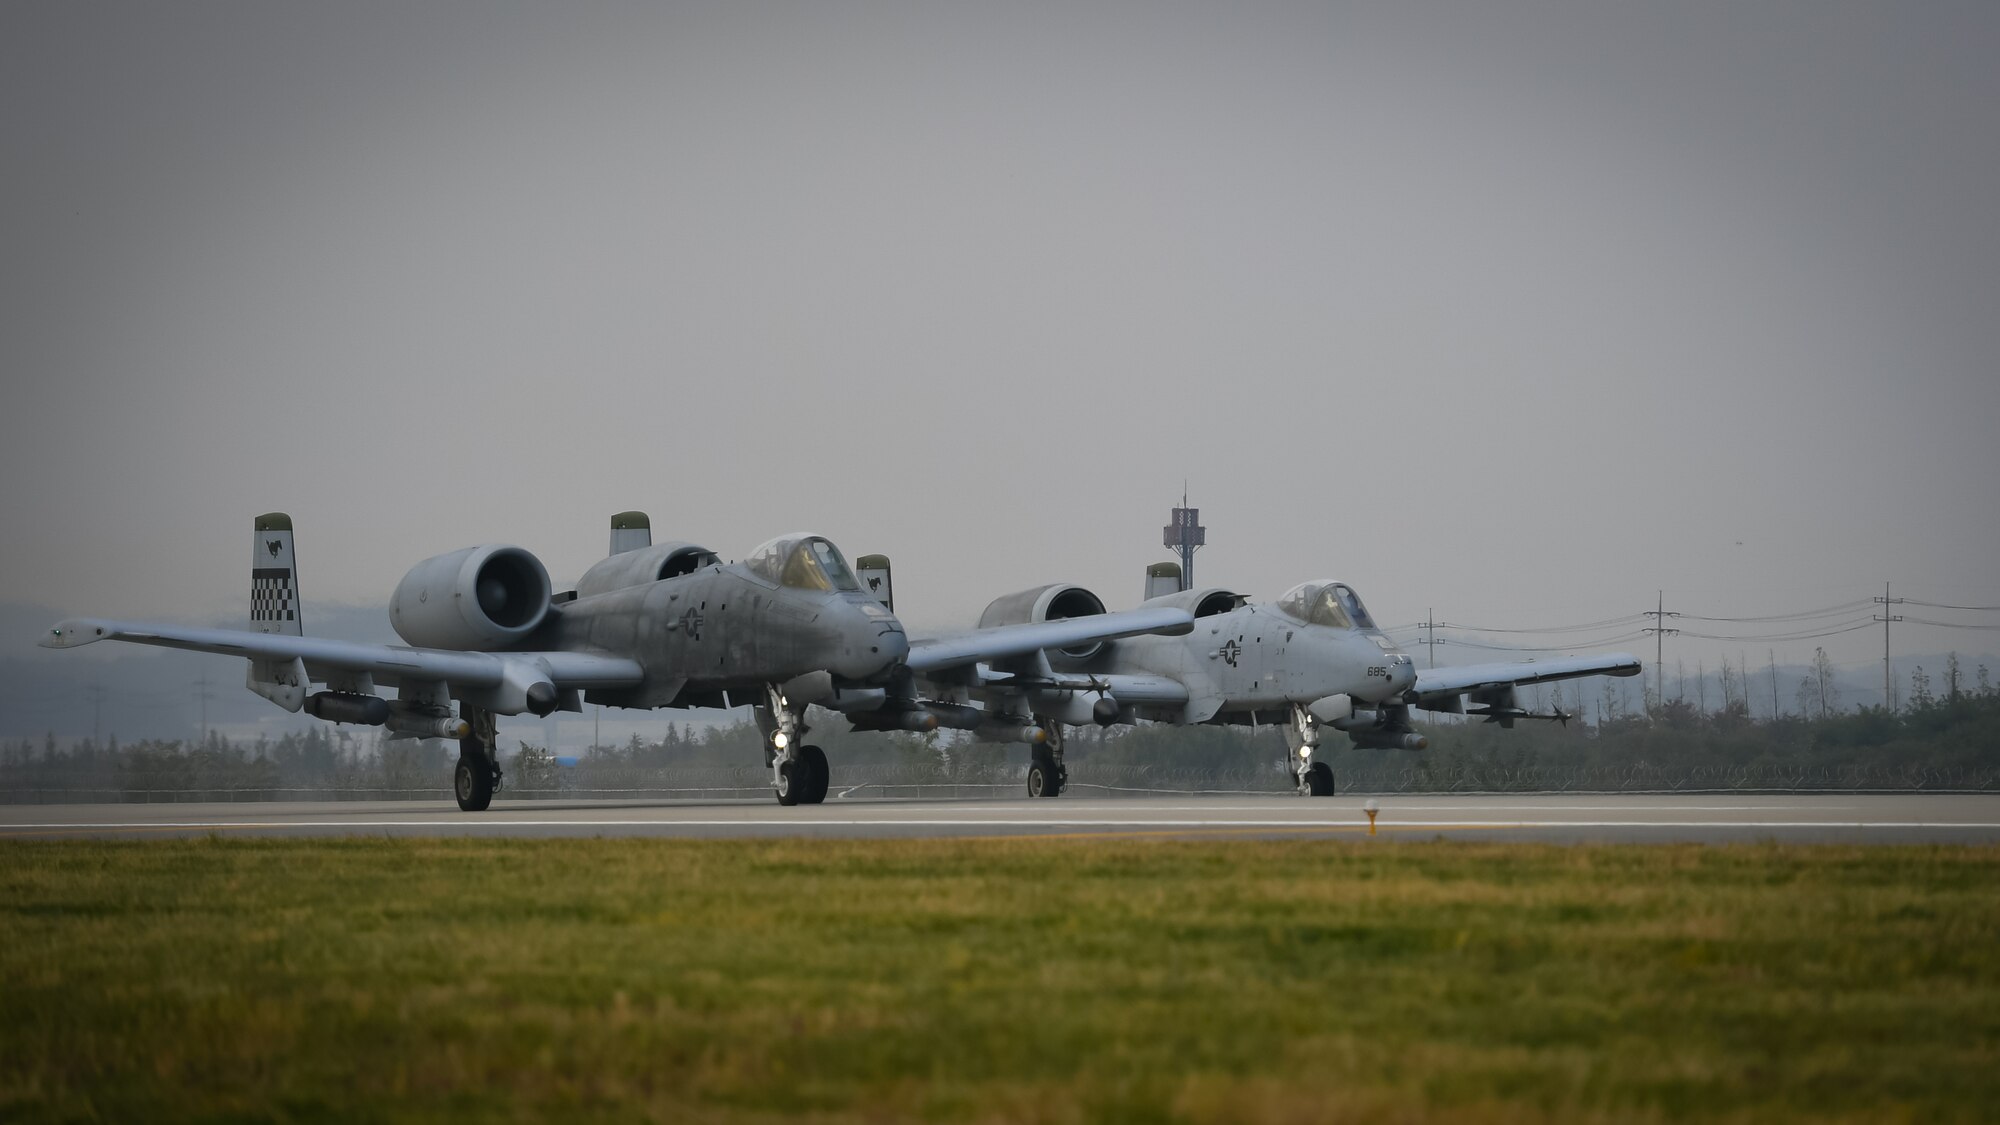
(1573, 818)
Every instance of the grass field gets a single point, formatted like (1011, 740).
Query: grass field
(1017, 980)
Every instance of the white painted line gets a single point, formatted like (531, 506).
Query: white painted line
(804, 823)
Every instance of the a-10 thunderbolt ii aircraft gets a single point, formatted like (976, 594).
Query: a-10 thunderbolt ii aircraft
(652, 625)
(1313, 658)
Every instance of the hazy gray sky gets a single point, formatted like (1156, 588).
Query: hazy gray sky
(1516, 310)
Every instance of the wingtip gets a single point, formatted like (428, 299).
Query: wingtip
(73, 632)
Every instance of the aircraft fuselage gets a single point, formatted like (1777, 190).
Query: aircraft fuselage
(1256, 659)
(722, 629)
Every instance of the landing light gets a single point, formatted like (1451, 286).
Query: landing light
(1305, 751)
(779, 740)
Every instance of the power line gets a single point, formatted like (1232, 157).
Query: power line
(1803, 615)
(1585, 627)
(1847, 627)
(1624, 639)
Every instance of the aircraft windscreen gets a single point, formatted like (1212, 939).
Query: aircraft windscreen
(1328, 610)
(1326, 603)
(830, 561)
(816, 565)
(1351, 602)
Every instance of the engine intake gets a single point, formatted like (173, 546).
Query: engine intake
(472, 599)
(1047, 603)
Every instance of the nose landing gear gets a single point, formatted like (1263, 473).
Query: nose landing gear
(799, 774)
(1315, 779)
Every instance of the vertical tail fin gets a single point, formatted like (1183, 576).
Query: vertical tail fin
(1162, 578)
(274, 578)
(630, 531)
(274, 608)
(873, 570)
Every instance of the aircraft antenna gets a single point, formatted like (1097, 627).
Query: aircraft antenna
(1184, 536)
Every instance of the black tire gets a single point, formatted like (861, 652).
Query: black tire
(817, 776)
(790, 785)
(472, 783)
(1320, 779)
(1042, 779)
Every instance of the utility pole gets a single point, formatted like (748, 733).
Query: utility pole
(204, 696)
(1659, 631)
(1888, 681)
(1772, 654)
(95, 693)
(1431, 635)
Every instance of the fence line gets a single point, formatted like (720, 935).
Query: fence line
(751, 782)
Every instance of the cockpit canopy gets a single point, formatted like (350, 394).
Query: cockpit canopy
(1326, 603)
(802, 562)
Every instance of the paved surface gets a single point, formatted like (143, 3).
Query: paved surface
(1857, 818)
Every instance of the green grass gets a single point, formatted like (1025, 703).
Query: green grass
(1052, 980)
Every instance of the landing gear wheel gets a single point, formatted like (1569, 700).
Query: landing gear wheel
(815, 776)
(472, 783)
(790, 784)
(1044, 779)
(1319, 780)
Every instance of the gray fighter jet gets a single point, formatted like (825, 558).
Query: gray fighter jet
(1313, 658)
(652, 625)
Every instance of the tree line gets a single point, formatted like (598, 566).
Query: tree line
(1945, 735)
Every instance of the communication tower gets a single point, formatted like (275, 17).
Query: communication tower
(1184, 536)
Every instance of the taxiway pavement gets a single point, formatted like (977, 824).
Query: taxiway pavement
(1699, 818)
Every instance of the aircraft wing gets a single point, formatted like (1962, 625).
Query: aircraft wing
(501, 675)
(1442, 685)
(1003, 641)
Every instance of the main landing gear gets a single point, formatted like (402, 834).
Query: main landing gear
(799, 775)
(1047, 775)
(1315, 779)
(477, 775)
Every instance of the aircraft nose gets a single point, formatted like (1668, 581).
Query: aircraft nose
(1402, 675)
(886, 645)
(895, 647)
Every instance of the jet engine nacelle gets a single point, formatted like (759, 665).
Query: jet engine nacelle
(1201, 603)
(477, 598)
(646, 564)
(1047, 603)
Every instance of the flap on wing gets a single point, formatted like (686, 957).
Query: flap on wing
(1003, 641)
(1453, 681)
